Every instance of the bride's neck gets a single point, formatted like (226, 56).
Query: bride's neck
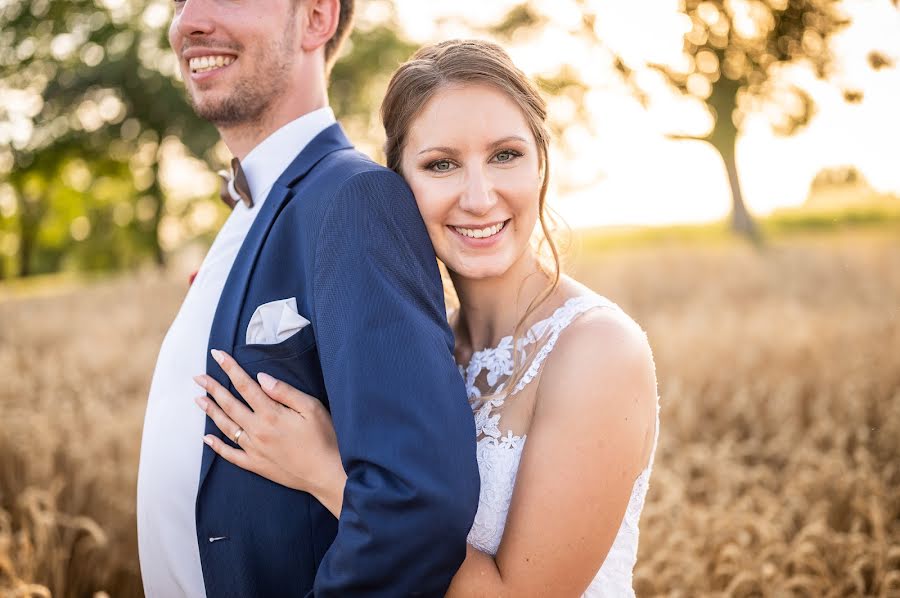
(490, 308)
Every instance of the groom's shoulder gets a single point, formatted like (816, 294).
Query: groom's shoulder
(347, 182)
(345, 171)
(351, 174)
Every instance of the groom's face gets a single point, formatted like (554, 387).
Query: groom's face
(236, 57)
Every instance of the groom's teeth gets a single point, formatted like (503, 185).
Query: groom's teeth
(202, 64)
(480, 233)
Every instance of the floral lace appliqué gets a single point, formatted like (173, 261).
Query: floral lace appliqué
(497, 361)
(486, 422)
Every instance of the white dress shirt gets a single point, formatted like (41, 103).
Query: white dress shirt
(172, 444)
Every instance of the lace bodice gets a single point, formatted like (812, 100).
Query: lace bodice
(499, 451)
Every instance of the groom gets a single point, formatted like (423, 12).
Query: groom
(324, 277)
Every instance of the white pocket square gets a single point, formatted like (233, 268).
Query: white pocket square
(274, 322)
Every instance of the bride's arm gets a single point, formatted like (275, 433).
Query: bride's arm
(287, 436)
(590, 437)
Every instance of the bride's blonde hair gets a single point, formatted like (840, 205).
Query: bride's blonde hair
(474, 62)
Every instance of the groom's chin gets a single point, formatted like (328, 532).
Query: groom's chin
(225, 111)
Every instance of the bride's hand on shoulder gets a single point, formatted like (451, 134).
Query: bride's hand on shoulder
(286, 435)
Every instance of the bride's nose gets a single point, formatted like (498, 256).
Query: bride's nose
(478, 196)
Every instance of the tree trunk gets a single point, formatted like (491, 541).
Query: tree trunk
(26, 245)
(30, 215)
(741, 221)
(723, 137)
(156, 191)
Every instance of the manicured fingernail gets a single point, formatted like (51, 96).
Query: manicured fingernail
(266, 381)
(202, 403)
(218, 356)
(201, 381)
(208, 440)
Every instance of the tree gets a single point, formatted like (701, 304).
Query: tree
(734, 54)
(96, 86)
(92, 85)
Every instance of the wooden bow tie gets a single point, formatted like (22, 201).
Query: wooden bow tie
(235, 187)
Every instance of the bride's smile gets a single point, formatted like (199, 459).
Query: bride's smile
(474, 167)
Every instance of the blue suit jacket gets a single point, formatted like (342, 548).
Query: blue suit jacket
(343, 235)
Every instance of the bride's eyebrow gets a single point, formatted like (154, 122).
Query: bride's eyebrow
(494, 144)
(443, 149)
(506, 140)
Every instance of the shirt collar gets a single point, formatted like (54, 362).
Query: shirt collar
(265, 162)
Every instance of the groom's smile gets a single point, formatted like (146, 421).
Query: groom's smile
(237, 59)
(203, 62)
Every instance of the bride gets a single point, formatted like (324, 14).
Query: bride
(561, 380)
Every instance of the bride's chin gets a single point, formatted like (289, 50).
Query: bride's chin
(479, 271)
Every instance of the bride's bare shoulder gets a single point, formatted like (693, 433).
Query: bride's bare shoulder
(603, 325)
(602, 364)
(606, 339)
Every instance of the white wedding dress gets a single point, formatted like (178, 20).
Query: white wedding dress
(499, 450)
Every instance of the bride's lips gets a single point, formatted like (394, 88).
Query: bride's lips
(483, 242)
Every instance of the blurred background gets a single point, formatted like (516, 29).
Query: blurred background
(730, 171)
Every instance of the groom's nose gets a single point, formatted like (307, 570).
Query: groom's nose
(196, 17)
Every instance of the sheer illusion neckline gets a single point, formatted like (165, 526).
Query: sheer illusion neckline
(531, 335)
(497, 362)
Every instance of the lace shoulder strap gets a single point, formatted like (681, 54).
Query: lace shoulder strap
(549, 330)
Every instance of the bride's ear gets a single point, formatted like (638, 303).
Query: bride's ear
(320, 22)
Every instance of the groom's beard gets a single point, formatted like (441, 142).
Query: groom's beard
(250, 98)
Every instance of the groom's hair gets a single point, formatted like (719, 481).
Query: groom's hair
(345, 25)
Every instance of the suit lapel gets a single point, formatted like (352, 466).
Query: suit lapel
(224, 328)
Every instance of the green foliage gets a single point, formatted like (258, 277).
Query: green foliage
(360, 77)
(522, 16)
(101, 90)
(875, 214)
(94, 94)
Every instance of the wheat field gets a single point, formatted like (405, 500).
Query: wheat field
(778, 467)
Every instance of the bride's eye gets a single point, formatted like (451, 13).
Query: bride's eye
(440, 166)
(506, 156)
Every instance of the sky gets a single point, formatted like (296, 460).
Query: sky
(625, 171)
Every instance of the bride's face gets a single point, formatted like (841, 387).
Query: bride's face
(474, 166)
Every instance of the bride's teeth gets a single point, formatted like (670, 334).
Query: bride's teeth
(480, 233)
